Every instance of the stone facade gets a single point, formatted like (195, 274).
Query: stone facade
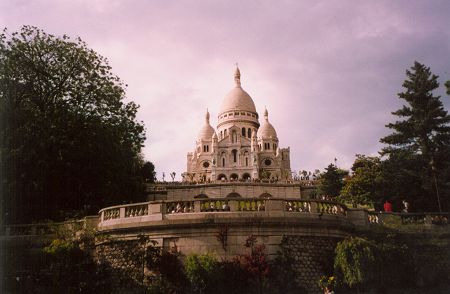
(242, 149)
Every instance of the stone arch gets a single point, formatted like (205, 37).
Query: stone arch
(222, 176)
(201, 196)
(234, 195)
(246, 176)
(265, 195)
(234, 177)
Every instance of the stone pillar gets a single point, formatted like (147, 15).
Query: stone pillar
(314, 207)
(233, 205)
(198, 206)
(358, 216)
(274, 205)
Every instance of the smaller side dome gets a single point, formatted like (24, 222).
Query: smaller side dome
(207, 131)
(266, 130)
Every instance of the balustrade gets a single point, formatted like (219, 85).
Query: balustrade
(161, 208)
(297, 206)
(180, 207)
(136, 210)
(252, 205)
(372, 218)
(214, 205)
(330, 208)
(111, 213)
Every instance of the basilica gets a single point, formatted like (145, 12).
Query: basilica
(240, 148)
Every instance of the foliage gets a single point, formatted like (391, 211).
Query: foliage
(365, 184)
(202, 272)
(327, 282)
(68, 141)
(381, 263)
(148, 172)
(354, 261)
(331, 181)
(71, 267)
(422, 136)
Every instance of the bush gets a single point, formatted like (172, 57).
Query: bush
(203, 272)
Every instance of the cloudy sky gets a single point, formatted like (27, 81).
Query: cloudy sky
(328, 71)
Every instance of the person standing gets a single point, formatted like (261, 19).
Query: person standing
(387, 206)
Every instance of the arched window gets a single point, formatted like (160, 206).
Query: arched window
(274, 146)
(221, 135)
(223, 161)
(246, 161)
(234, 155)
(225, 133)
(234, 137)
(243, 132)
(249, 133)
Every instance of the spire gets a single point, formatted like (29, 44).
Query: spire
(207, 116)
(266, 114)
(237, 76)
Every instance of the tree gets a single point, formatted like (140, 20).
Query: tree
(422, 135)
(355, 261)
(365, 184)
(331, 181)
(148, 172)
(68, 141)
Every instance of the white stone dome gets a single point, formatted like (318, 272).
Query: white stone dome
(237, 98)
(207, 131)
(266, 130)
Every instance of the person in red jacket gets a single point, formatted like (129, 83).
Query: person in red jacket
(387, 206)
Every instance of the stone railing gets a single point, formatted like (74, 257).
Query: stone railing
(162, 210)
(422, 218)
(180, 207)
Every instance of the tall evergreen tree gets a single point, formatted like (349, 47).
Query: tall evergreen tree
(422, 136)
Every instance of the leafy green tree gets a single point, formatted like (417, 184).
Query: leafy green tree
(148, 172)
(355, 262)
(365, 184)
(331, 181)
(422, 135)
(68, 141)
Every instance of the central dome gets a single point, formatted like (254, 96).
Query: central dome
(237, 98)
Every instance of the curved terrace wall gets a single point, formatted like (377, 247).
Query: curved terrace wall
(223, 225)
